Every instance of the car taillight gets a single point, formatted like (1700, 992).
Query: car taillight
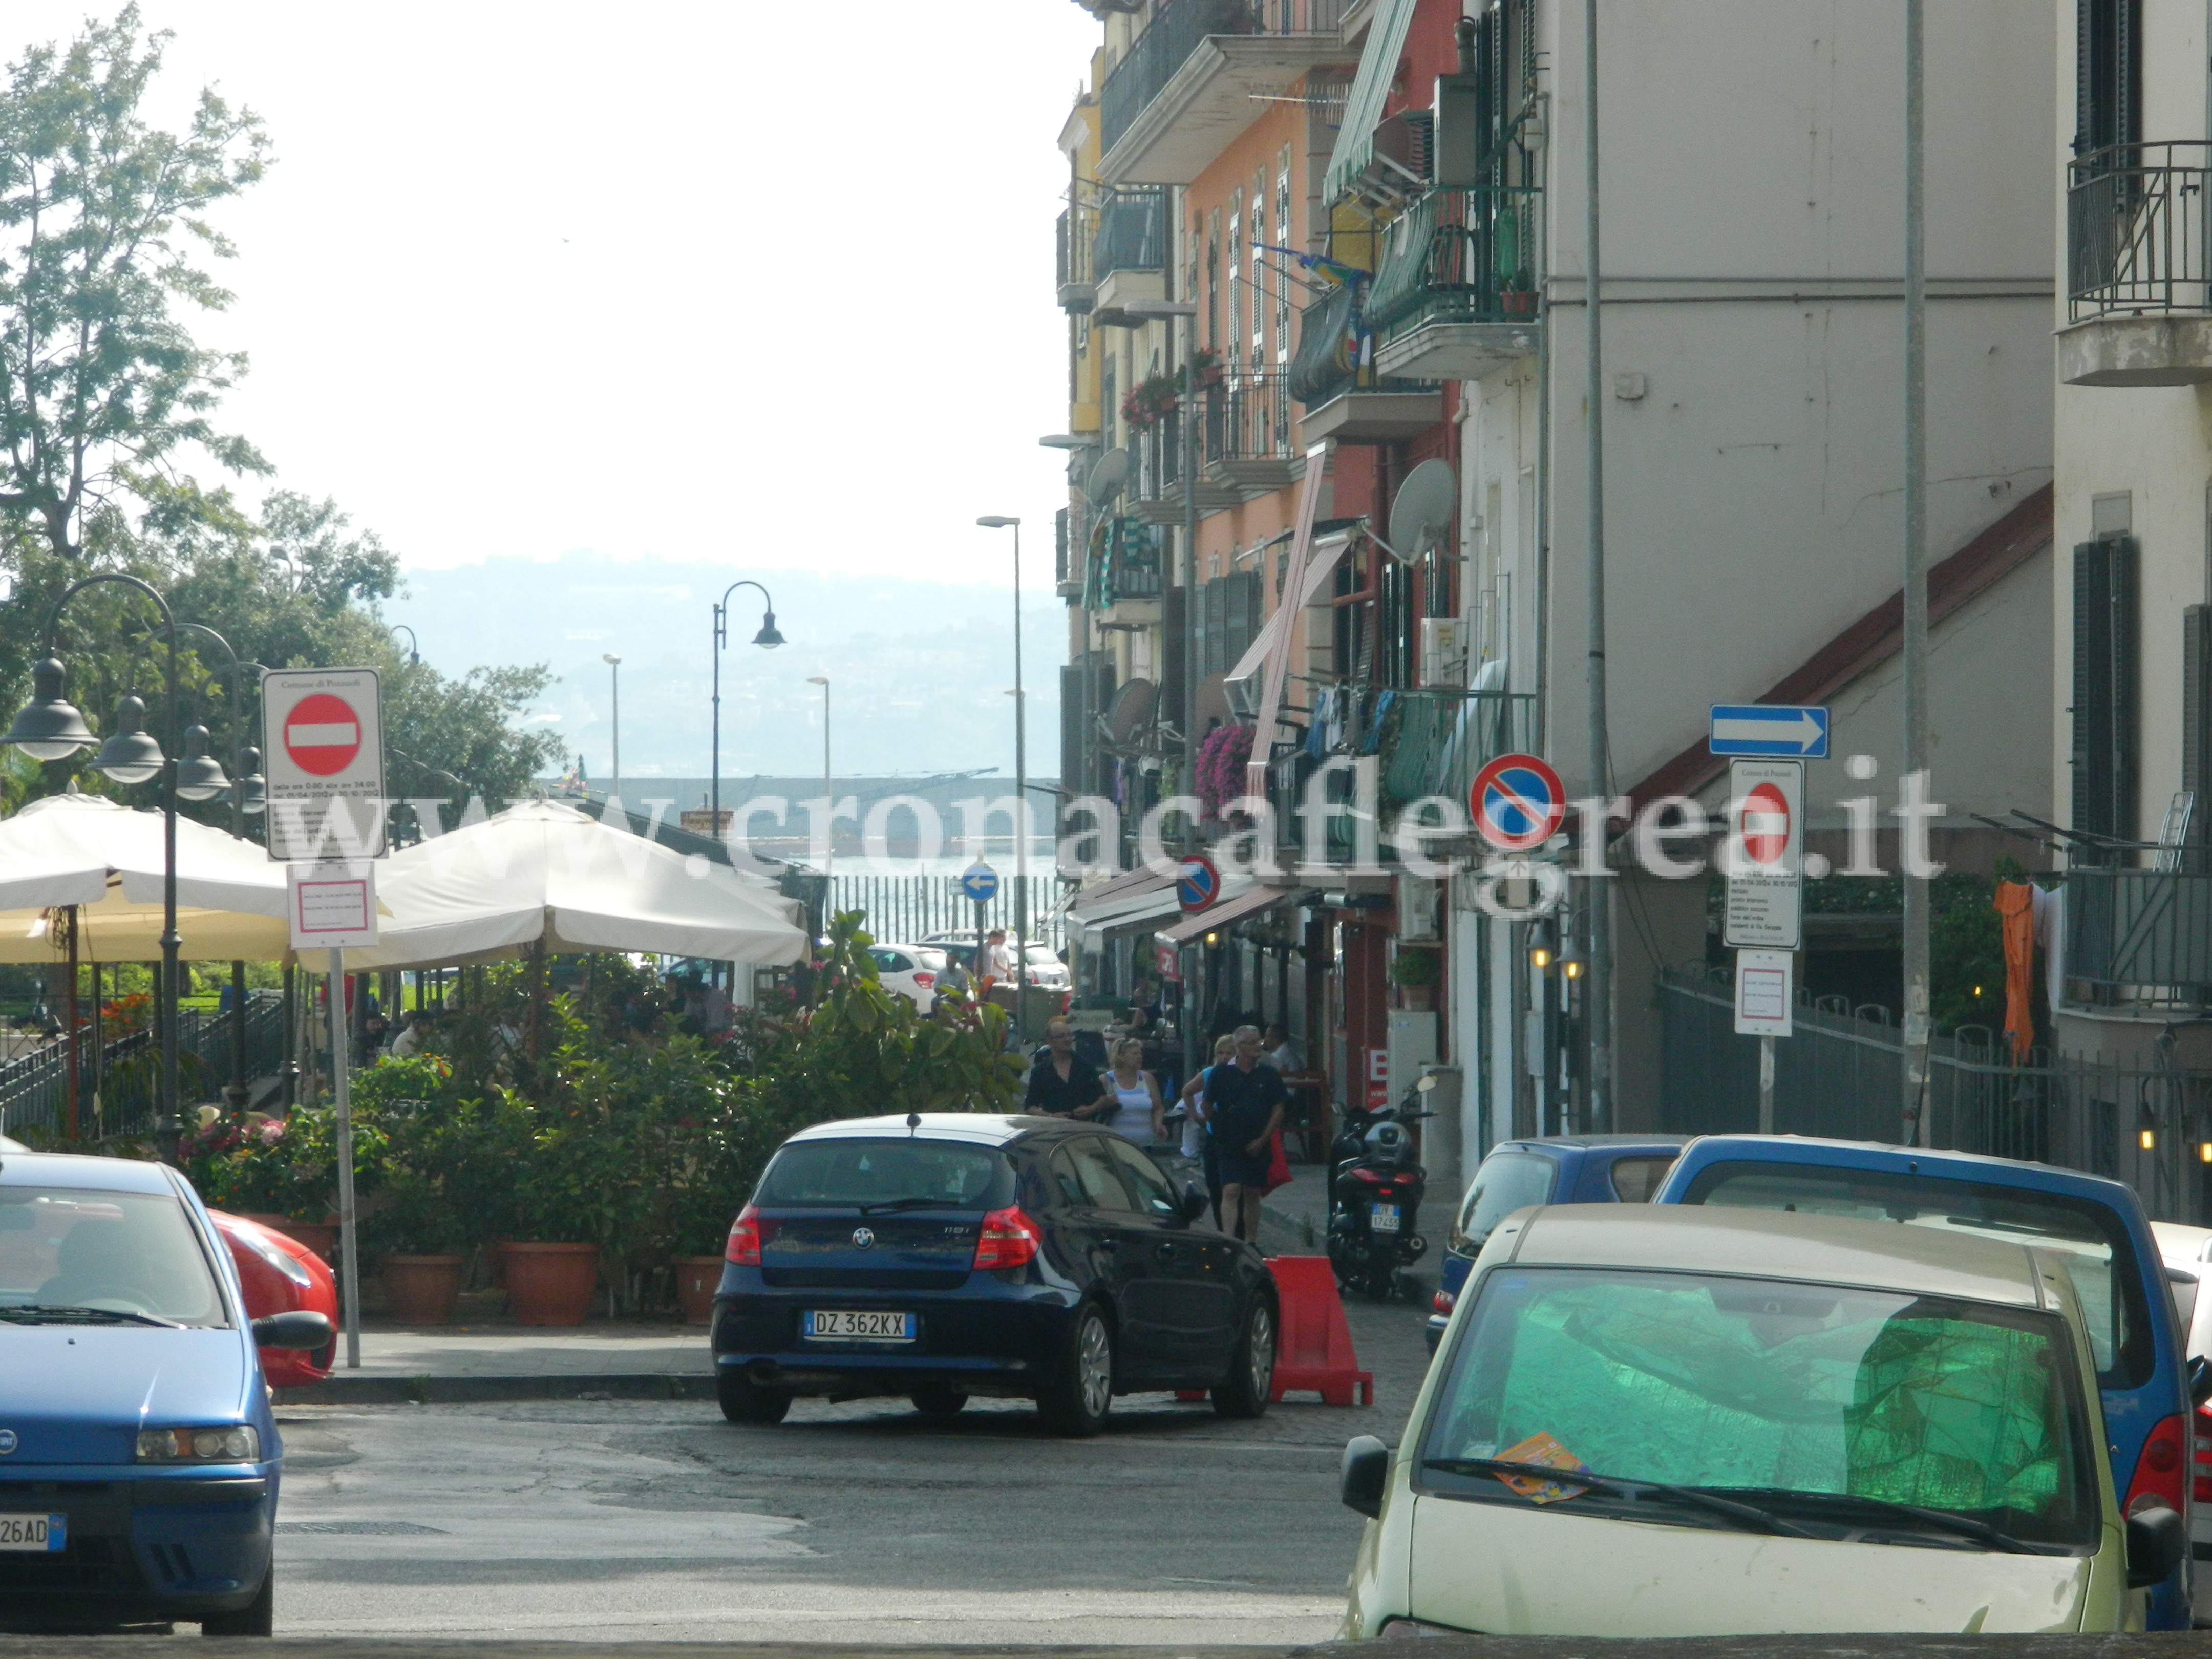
(1009, 1239)
(745, 1245)
(1443, 1302)
(2159, 1468)
(2201, 1487)
(925, 981)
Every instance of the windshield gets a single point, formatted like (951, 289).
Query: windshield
(128, 1254)
(1506, 1182)
(1793, 1395)
(2098, 1254)
(856, 1172)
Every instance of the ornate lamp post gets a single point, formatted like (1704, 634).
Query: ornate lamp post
(767, 639)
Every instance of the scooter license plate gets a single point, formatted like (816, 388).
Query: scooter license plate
(1383, 1217)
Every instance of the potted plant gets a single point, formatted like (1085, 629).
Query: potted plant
(1415, 970)
(552, 1269)
(1516, 297)
(1150, 401)
(417, 1237)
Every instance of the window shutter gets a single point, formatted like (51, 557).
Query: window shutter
(2196, 721)
(2126, 690)
(2105, 754)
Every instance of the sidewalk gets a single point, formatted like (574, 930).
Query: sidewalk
(458, 1363)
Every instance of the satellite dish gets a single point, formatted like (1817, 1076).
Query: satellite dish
(1131, 711)
(1108, 477)
(1421, 516)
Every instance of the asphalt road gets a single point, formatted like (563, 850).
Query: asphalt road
(637, 1520)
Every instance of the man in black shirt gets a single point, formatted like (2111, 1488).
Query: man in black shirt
(1244, 1102)
(1062, 1085)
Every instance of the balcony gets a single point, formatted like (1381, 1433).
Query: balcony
(1190, 83)
(2138, 269)
(1249, 441)
(1158, 491)
(2141, 936)
(1072, 247)
(1454, 296)
(1130, 254)
(1334, 375)
(1124, 578)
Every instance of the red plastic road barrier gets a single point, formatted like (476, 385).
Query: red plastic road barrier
(1313, 1350)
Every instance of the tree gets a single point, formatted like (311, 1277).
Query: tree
(103, 224)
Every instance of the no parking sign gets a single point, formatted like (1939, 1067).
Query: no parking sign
(1518, 802)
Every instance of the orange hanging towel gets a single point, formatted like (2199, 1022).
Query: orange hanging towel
(2015, 907)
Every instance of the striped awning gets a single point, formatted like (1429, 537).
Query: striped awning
(1370, 90)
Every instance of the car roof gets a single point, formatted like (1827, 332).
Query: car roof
(977, 1128)
(2180, 1244)
(1821, 1250)
(1902, 1160)
(107, 1175)
(1592, 1143)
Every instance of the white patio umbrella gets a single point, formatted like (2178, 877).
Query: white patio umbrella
(97, 853)
(544, 871)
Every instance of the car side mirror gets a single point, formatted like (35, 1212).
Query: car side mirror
(2157, 1538)
(298, 1329)
(1194, 1204)
(1364, 1473)
(2200, 1380)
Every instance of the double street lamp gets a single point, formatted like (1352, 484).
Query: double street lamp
(767, 639)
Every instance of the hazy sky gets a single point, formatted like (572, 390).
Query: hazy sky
(764, 284)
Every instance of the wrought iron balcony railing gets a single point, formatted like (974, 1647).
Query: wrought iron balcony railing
(2136, 231)
(1072, 249)
(2144, 932)
(1461, 256)
(1133, 232)
(1177, 31)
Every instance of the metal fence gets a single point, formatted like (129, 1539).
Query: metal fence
(2136, 230)
(904, 909)
(1177, 29)
(116, 1088)
(1838, 1077)
(2149, 931)
(1132, 232)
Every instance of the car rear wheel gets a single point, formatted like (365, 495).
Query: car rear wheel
(257, 1618)
(1252, 1372)
(938, 1400)
(743, 1402)
(1082, 1392)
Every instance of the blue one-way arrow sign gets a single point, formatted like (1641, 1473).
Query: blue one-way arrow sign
(1766, 728)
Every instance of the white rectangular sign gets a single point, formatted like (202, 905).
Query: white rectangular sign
(333, 906)
(1763, 854)
(323, 753)
(1765, 987)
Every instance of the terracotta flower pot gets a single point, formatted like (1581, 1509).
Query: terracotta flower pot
(552, 1284)
(697, 1279)
(320, 1237)
(420, 1290)
(495, 1262)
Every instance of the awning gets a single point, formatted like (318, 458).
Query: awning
(1242, 682)
(1249, 902)
(1370, 90)
(1134, 903)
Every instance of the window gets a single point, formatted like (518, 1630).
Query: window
(2108, 74)
(1635, 1179)
(1506, 1182)
(844, 1172)
(1825, 1404)
(2106, 727)
(1236, 288)
(120, 1253)
(1083, 1172)
(1155, 1197)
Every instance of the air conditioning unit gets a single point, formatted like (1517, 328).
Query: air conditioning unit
(1443, 651)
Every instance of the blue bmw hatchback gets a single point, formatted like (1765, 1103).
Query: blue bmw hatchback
(138, 1458)
(2115, 1263)
(950, 1255)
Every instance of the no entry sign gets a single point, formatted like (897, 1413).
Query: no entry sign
(323, 748)
(1762, 857)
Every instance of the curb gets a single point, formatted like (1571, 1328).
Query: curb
(343, 1391)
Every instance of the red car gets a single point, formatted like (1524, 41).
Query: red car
(279, 1274)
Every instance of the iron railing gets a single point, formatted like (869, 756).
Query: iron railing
(2136, 230)
(907, 909)
(1073, 241)
(1442, 738)
(1132, 232)
(34, 1087)
(1461, 256)
(2148, 932)
(1248, 418)
(1177, 29)
(1838, 1077)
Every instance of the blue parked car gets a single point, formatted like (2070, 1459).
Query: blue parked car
(1544, 1169)
(2142, 1371)
(138, 1459)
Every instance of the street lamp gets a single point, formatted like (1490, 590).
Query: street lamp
(49, 728)
(828, 795)
(414, 646)
(614, 675)
(997, 521)
(767, 639)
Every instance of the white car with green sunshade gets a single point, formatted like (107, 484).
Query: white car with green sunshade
(1703, 1422)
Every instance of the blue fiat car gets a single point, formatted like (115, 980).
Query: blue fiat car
(1544, 1169)
(138, 1459)
(2117, 1270)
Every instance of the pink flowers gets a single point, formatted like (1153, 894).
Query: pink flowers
(1221, 760)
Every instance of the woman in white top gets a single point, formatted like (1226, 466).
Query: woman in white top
(1139, 1112)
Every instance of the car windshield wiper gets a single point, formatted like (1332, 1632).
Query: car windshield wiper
(905, 1204)
(52, 1313)
(1942, 1520)
(1748, 1515)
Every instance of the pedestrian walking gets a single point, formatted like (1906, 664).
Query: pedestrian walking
(1060, 1085)
(998, 962)
(1138, 1111)
(1244, 1102)
(1197, 1132)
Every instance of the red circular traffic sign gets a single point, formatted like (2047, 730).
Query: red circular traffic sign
(1763, 821)
(322, 734)
(1518, 803)
(1198, 883)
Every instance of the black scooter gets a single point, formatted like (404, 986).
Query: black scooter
(1376, 1187)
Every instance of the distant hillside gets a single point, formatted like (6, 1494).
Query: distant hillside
(919, 669)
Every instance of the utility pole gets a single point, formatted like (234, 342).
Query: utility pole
(1598, 992)
(614, 723)
(1917, 1127)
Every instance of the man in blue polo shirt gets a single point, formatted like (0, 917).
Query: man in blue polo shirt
(1244, 1102)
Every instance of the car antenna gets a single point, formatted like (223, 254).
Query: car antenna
(913, 1122)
